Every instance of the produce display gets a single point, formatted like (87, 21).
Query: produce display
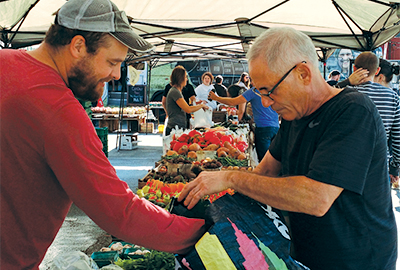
(129, 256)
(153, 260)
(131, 110)
(160, 193)
(218, 140)
(230, 109)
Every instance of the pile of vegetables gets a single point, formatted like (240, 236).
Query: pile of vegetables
(160, 193)
(229, 162)
(210, 140)
(154, 260)
(212, 198)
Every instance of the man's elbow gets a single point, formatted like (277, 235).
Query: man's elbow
(321, 207)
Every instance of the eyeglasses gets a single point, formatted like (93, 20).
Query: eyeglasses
(268, 95)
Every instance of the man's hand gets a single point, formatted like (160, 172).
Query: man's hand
(359, 76)
(212, 95)
(206, 183)
(394, 179)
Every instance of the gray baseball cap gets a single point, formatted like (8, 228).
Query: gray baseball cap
(101, 16)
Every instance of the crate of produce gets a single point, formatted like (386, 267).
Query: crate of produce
(134, 253)
(105, 258)
(219, 116)
(120, 246)
(147, 127)
(102, 132)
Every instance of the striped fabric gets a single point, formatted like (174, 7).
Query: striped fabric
(388, 105)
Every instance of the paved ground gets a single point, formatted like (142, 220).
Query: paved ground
(80, 233)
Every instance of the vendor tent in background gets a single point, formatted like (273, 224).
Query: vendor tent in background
(221, 29)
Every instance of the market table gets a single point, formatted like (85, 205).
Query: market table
(112, 121)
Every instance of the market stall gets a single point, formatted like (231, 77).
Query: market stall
(110, 117)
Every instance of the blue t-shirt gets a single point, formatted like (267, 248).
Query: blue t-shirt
(263, 117)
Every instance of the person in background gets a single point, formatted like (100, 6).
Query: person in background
(327, 165)
(176, 106)
(265, 118)
(204, 89)
(333, 77)
(384, 77)
(386, 72)
(244, 81)
(51, 155)
(220, 89)
(190, 97)
(188, 94)
(380, 73)
(235, 91)
(359, 76)
(344, 58)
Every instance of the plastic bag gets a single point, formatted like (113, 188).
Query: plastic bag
(73, 260)
(202, 119)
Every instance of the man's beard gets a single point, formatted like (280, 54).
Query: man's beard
(83, 83)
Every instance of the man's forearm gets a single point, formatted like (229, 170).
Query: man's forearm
(295, 194)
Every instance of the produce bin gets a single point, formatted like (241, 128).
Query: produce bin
(105, 258)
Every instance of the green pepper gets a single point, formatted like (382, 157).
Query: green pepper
(140, 193)
(145, 189)
(159, 194)
(166, 198)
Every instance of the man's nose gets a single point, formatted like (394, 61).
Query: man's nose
(266, 102)
(116, 72)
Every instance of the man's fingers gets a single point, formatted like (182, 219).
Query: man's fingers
(188, 187)
(193, 198)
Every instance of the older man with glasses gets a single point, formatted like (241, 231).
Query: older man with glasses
(326, 166)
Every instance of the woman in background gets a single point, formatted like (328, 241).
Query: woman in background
(176, 106)
(205, 88)
(386, 73)
(244, 81)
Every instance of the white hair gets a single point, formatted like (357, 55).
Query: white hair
(282, 48)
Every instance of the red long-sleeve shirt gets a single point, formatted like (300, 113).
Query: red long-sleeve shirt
(51, 156)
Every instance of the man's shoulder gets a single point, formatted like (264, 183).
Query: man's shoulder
(350, 95)
(375, 88)
(188, 87)
(6, 52)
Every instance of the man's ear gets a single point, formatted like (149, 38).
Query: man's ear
(77, 46)
(304, 72)
(377, 71)
(379, 78)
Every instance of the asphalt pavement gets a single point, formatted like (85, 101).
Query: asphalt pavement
(80, 233)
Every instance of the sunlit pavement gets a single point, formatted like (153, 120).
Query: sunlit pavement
(396, 208)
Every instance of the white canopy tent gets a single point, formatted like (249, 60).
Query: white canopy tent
(221, 29)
